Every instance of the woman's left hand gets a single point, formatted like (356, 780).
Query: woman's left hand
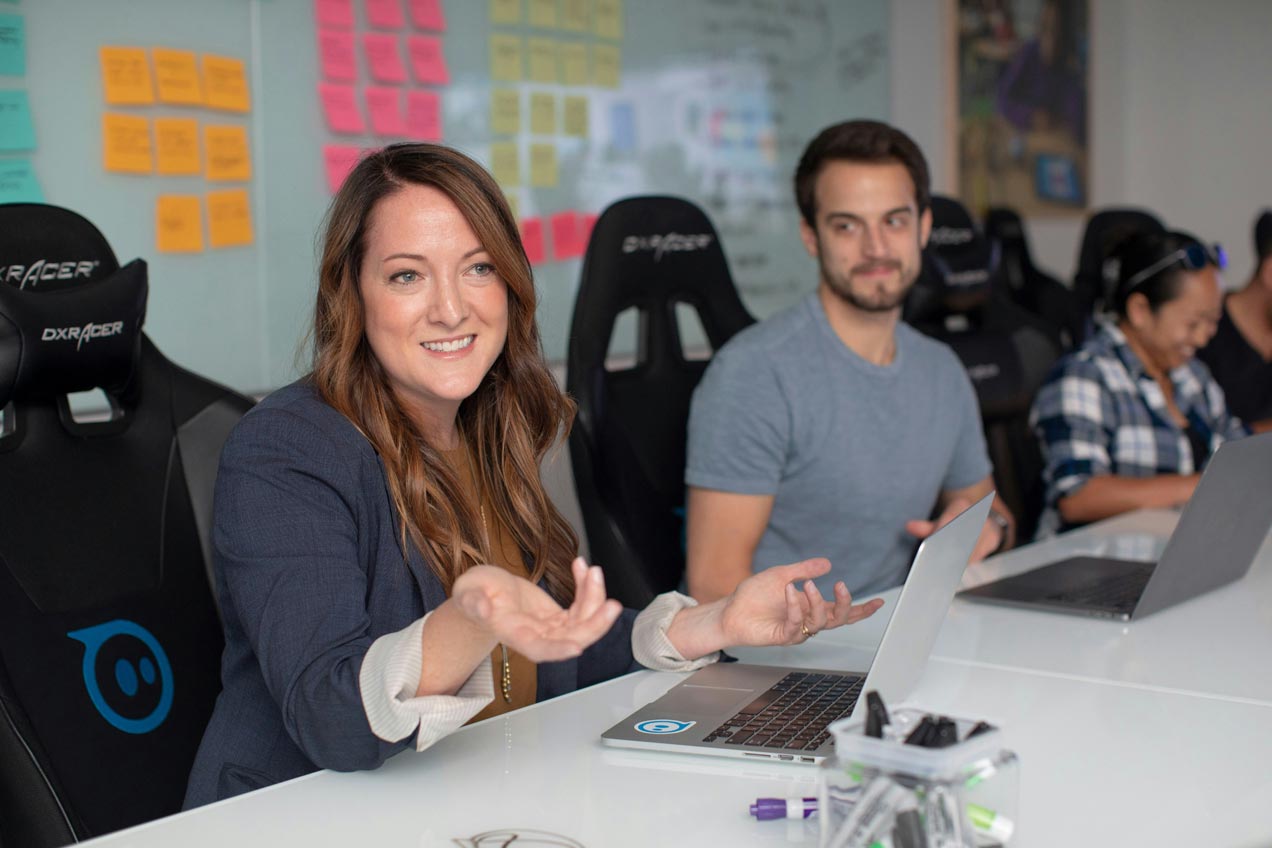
(768, 608)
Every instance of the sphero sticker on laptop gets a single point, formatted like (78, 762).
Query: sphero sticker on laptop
(664, 726)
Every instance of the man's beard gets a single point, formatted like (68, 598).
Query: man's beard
(875, 300)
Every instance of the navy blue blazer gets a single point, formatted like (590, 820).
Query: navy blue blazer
(310, 571)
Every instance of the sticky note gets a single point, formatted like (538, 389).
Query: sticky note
(385, 14)
(574, 63)
(225, 84)
(543, 165)
(340, 107)
(565, 242)
(126, 144)
(505, 163)
(505, 11)
(384, 57)
(178, 223)
(543, 13)
(514, 204)
(177, 146)
(587, 223)
(16, 130)
(505, 111)
(384, 105)
(543, 59)
(338, 160)
(18, 183)
(424, 115)
(428, 63)
(607, 22)
(226, 152)
(505, 58)
(574, 15)
(334, 13)
(623, 127)
(126, 76)
(428, 14)
(605, 62)
(177, 77)
(532, 240)
(575, 119)
(229, 218)
(543, 113)
(12, 46)
(336, 56)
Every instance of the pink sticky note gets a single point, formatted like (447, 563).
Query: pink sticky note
(424, 115)
(427, 14)
(565, 240)
(384, 57)
(334, 13)
(532, 240)
(385, 107)
(427, 61)
(335, 53)
(339, 160)
(385, 14)
(341, 108)
(587, 223)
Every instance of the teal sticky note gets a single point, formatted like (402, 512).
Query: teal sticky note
(18, 183)
(12, 46)
(16, 129)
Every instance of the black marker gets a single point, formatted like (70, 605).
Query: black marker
(876, 715)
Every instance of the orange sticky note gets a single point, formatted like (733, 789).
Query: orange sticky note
(336, 56)
(428, 63)
(229, 218)
(126, 144)
(225, 84)
(532, 240)
(177, 77)
(565, 242)
(126, 76)
(334, 13)
(385, 14)
(341, 108)
(178, 223)
(338, 160)
(424, 115)
(427, 14)
(177, 146)
(226, 152)
(385, 107)
(384, 57)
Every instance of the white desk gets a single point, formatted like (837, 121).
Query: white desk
(1110, 754)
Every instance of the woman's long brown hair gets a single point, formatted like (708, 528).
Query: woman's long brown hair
(509, 423)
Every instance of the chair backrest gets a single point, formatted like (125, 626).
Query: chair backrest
(1094, 277)
(627, 447)
(1026, 283)
(110, 643)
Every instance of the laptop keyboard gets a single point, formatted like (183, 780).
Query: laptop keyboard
(1120, 593)
(794, 714)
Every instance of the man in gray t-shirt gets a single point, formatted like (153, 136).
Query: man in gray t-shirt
(832, 429)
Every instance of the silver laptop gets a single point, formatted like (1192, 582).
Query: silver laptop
(757, 711)
(1218, 535)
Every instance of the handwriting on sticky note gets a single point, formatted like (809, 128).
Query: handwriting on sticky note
(225, 83)
(228, 156)
(340, 107)
(532, 240)
(126, 76)
(608, 19)
(17, 132)
(505, 163)
(424, 115)
(18, 183)
(505, 58)
(338, 160)
(574, 15)
(12, 46)
(384, 105)
(427, 14)
(334, 13)
(177, 146)
(177, 77)
(543, 113)
(505, 111)
(543, 165)
(384, 57)
(178, 223)
(336, 56)
(229, 218)
(126, 144)
(428, 62)
(543, 59)
(385, 14)
(575, 119)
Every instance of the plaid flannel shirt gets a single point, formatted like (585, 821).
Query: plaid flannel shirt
(1100, 412)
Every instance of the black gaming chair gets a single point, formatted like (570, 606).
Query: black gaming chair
(1027, 284)
(1007, 351)
(110, 644)
(1094, 278)
(627, 447)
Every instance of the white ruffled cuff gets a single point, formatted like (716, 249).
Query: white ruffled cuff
(650, 645)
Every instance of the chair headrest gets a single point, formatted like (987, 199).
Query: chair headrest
(70, 317)
(959, 260)
(1105, 229)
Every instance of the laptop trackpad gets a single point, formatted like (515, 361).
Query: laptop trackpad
(708, 699)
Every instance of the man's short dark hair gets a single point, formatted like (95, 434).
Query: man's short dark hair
(859, 141)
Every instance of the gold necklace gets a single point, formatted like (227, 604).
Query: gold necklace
(505, 677)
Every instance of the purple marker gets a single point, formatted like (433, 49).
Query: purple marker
(783, 808)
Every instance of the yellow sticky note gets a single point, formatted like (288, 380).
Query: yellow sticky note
(177, 77)
(126, 144)
(505, 11)
(575, 15)
(126, 76)
(229, 218)
(177, 146)
(505, 163)
(605, 62)
(543, 13)
(576, 115)
(505, 58)
(543, 114)
(226, 152)
(505, 111)
(543, 165)
(178, 223)
(543, 59)
(225, 84)
(574, 63)
(514, 204)
(608, 20)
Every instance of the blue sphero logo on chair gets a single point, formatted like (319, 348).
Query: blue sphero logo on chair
(663, 726)
(127, 675)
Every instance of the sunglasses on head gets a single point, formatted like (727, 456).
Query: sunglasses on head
(1193, 257)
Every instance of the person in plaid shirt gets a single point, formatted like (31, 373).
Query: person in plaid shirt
(1130, 419)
